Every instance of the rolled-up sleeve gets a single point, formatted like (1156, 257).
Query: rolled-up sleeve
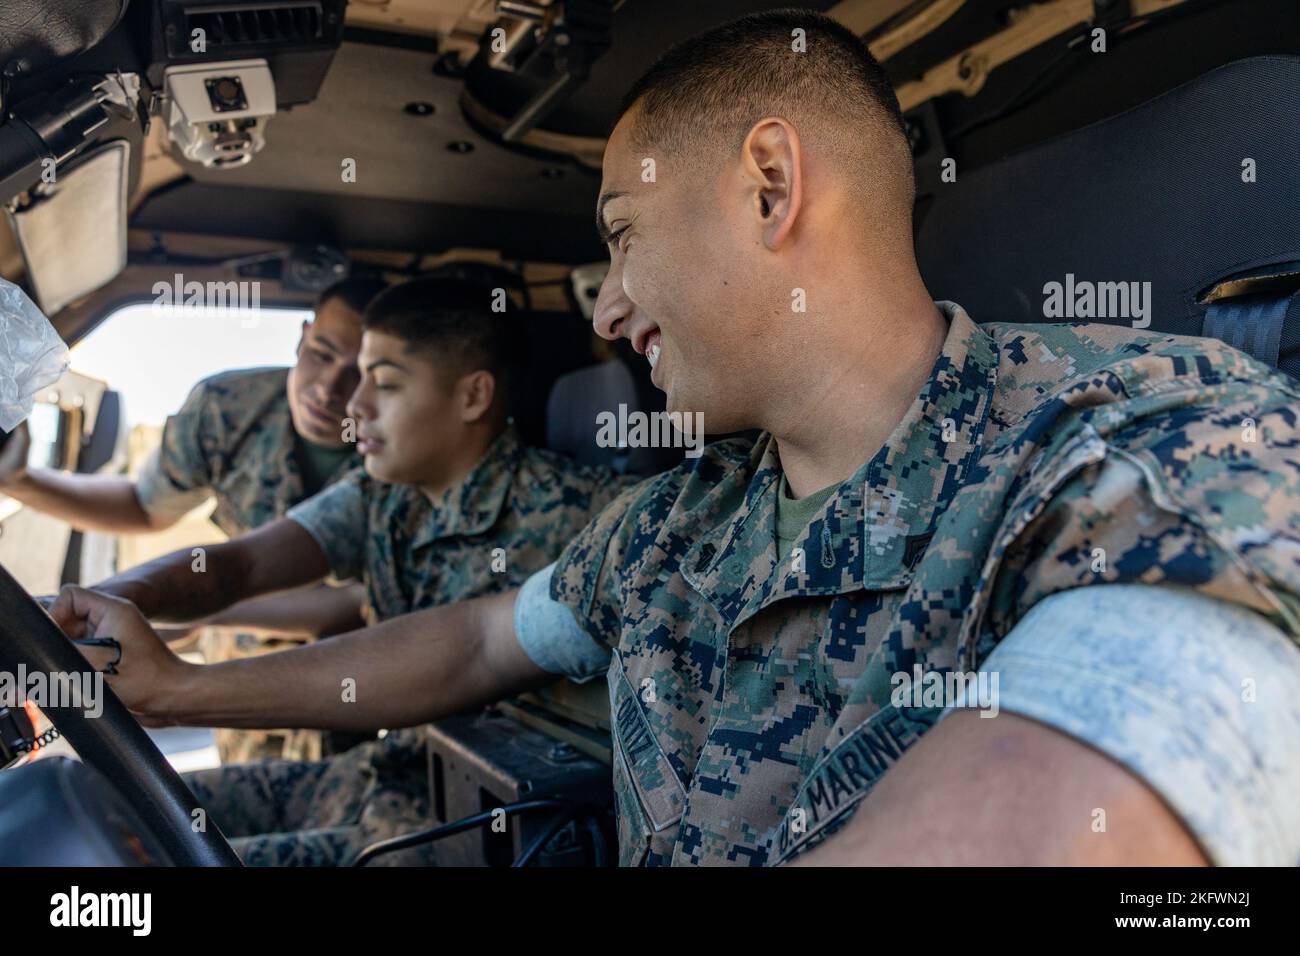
(1196, 696)
(177, 476)
(587, 576)
(551, 636)
(159, 495)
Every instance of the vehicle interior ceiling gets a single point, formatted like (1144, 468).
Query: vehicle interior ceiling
(461, 152)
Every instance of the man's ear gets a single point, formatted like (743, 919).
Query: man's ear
(772, 157)
(302, 339)
(477, 391)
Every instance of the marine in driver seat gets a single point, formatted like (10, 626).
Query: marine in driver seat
(450, 505)
(1080, 511)
(259, 441)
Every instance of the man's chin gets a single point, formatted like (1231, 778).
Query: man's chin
(382, 468)
(681, 400)
(713, 418)
(329, 438)
(378, 469)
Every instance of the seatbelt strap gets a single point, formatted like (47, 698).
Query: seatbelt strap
(1252, 323)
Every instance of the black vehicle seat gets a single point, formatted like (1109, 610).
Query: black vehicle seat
(1153, 194)
(36, 34)
(579, 397)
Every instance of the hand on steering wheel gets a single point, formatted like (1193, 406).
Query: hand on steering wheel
(111, 742)
(144, 671)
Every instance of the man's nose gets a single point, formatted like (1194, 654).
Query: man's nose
(613, 307)
(356, 407)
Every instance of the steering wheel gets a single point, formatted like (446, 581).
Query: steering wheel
(114, 743)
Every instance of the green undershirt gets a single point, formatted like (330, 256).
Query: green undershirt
(793, 515)
(317, 463)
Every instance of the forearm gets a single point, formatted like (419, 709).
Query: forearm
(105, 503)
(315, 611)
(183, 586)
(195, 583)
(404, 672)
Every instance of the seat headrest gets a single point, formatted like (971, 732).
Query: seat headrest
(576, 401)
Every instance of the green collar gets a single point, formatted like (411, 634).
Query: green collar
(795, 514)
(874, 528)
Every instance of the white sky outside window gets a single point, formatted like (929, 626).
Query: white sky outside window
(154, 355)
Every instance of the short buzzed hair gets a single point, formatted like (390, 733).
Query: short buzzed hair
(453, 321)
(355, 292)
(712, 88)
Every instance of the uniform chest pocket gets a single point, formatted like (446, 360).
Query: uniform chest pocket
(650, 797)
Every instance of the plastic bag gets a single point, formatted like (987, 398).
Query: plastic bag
(32, 356)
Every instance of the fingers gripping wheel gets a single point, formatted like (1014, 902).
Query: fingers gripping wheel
(114, 743)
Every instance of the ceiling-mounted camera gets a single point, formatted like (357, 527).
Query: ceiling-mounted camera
(217, 112)
(226, 93)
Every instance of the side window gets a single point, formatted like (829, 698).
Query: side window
(152, 355)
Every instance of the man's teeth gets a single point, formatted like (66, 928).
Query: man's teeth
(652, 354)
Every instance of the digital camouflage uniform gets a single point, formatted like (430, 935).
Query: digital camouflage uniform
(510, 517)
(234, 439)
(751, 701)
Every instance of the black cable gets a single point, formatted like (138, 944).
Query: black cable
(558, 823)
(1120, 29)
(1025, 93)
(599, 845)
(394, 844)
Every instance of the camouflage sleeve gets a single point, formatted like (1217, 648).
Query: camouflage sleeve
(1204, 496)
(158, 495)
(1198, 698)
(337, 519)
(588, 575)
(176, 478)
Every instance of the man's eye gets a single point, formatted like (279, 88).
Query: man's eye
(616, 237)
(322, 357)
(385, 388)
